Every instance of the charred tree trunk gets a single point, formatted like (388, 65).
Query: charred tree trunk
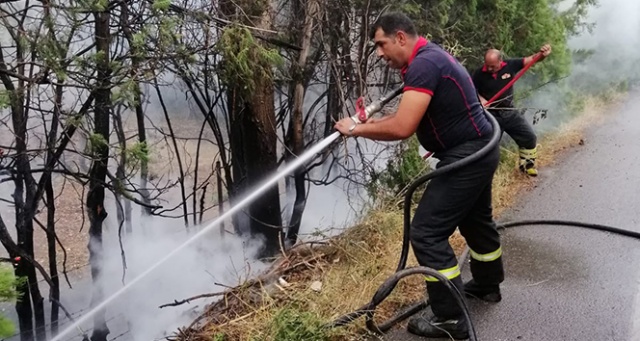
(362, 50)
(123, 214)
(142, 133)
(261, 161)
(297, 136)
(235, 113)
(333, 18)
(238, 169)
(51, 212)
(144, 163)
(98, 172)
(24, 197)
(23, 304)
(253, 139)
(53, 266)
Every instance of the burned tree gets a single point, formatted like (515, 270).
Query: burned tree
(247, 72)
(98, 172)
(303, 19)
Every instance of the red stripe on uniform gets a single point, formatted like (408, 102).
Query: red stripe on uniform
(423, 90)
(435, 131)
(465, 103)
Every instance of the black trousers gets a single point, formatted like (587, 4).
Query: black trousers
(459, 199)
(514, 123)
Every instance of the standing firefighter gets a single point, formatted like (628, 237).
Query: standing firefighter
(494, 75)
(440, 105)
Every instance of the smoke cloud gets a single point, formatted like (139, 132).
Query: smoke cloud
(605, 58)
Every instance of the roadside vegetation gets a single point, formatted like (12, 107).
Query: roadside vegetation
(316, 283)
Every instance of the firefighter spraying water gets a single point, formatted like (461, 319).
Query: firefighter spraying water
(440, 105)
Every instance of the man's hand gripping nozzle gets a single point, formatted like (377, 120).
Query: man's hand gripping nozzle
(363, 113)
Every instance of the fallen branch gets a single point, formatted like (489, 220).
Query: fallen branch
(188, 300)
(236, 303)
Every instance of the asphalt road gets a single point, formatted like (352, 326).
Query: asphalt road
(567, 283)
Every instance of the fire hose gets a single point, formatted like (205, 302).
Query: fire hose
(387, 287)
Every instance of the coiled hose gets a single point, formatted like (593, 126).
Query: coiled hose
(368, 310)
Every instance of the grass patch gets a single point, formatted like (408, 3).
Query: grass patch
(312, 286)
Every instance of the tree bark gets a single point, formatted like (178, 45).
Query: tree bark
(51, 213)
(253, 146)
(98, 172)
(297, 136)
(142, 133)
(123, 205)
(261, 161)
(24, 196)
(333, 18)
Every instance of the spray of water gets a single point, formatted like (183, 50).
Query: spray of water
(248, 199)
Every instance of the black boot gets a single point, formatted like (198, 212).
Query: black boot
(427, 325)
(488, 293)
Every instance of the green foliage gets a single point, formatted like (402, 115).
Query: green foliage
(218, 337)
(167, 30)
(291, 324)
(8, 293)
(574, 16)
(75, 120)
(244, 59)
(137, 153)
(5, 99)
(98, 57)
(97, 142)
(161, 5)
(139, 40)
(126, 93)
(404, 166)
(517, 27)
(99, 5)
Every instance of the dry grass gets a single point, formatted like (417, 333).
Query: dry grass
(353, 265)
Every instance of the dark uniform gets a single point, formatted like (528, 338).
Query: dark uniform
(453, 127)
(511, 120)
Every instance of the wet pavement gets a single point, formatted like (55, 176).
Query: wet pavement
(568, 283)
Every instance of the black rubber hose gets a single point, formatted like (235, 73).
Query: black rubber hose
(408, 197)
(392, 281)
(596, 227)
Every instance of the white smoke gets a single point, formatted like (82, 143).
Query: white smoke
(604, 57)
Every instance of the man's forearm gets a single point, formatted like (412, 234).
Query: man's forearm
(386, 129)
(381, 118)
(530, 58)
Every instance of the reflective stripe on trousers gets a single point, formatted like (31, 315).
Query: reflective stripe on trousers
(486, 257)
(528, 153)
(449, 273)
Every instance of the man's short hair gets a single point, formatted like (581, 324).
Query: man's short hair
(393, 22)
